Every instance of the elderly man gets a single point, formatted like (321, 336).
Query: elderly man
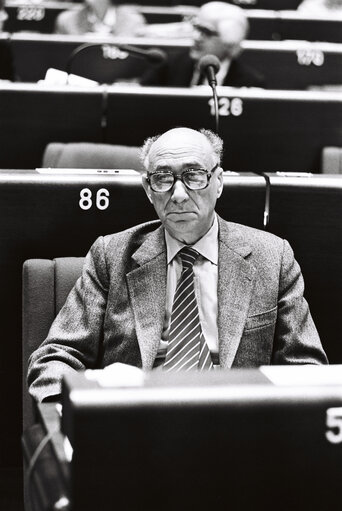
(219, 29)
(188, 291)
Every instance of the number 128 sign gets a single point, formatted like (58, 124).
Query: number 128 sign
(226, 106)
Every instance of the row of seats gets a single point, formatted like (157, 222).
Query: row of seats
(262, 130)
(264, 25)
(284, 64)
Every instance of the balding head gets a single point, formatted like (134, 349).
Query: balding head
(221, 28)
(179, 137)
(184, 180)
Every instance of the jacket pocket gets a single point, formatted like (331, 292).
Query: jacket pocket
(262, 319)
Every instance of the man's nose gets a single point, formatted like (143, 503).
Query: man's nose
(179, 192)
(196, 35)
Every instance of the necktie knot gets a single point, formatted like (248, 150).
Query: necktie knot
(188, 256)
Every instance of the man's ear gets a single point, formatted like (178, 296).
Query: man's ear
(219, 177)
(147, 188)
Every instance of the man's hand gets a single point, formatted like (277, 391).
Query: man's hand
(117, 374)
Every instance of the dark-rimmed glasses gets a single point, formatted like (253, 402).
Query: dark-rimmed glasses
(203, 29)
(192, 178)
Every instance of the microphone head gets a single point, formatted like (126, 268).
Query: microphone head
(207, 61)
(156, 56)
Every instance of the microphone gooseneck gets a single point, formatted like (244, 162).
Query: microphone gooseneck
(152, 55)
(209, 65)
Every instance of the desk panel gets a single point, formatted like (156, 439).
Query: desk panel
(33, 116)
(262, 130)
(320, 28)
(34, 16)
(295, 64)
(283, 133)
(34, 54)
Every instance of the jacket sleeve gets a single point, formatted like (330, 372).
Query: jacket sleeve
(76, 335)
(296, 338)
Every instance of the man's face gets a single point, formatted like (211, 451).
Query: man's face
(209, 40)
(186, 214)
(206, 42)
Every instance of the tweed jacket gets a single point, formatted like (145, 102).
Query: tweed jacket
(115, 311)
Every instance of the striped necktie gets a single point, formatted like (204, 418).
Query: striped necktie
(187, 348)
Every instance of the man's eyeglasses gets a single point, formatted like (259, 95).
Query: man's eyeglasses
(204, 30)
(192, 178)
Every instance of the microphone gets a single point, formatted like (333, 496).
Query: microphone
(209, 65)
(153, 55)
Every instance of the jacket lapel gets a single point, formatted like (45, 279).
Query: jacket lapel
(235, 283)
(147, 289)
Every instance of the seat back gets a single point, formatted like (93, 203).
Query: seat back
(332, 160)
(46, 285)
(87, 155)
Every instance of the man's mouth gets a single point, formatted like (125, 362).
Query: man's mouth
(180, 212)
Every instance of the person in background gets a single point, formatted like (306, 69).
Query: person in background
(320, 7)
(218, 29)
(6, 58)
(101, 17)
(189, 291)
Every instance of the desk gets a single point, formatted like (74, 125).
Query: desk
(274, 429)
(265, 22)
(284, 64)
(263, 130)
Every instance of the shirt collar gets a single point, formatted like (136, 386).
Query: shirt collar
(207, 246)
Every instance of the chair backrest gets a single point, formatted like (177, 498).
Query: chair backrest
(88, 155)
(46, 285)
(332, 160)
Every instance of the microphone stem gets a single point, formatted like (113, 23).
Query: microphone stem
(213, 86)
